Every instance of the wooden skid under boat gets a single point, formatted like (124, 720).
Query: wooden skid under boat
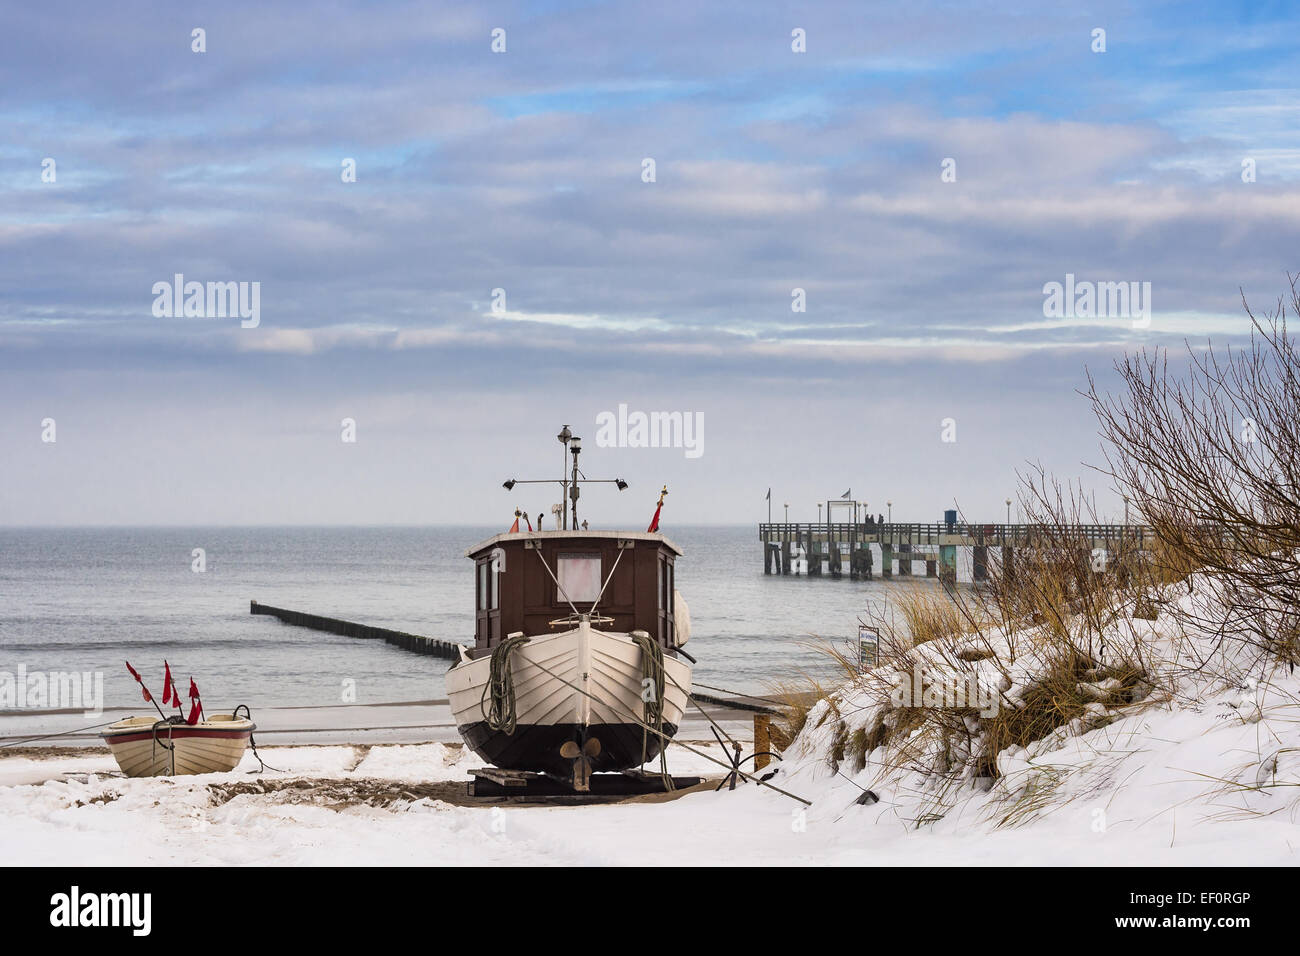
(573, 687)
(522, 786)
(149, 747)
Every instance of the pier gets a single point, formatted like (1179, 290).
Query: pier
(831, 548)
(416, 643)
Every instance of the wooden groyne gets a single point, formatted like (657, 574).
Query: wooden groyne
(416, 643)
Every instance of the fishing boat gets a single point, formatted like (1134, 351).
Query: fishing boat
(577, 665)
(165, 746)
(155, 747)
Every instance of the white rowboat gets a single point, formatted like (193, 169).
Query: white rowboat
(150, 747)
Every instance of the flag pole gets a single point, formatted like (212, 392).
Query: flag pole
(148, 696)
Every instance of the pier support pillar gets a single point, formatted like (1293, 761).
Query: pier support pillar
(981, 567)
(886, 559)
(835, 569)
(785, 555)
(1008, 563)
(905, 559)
(767, 557)
(867, 560)
(931, 569)
(948, 564)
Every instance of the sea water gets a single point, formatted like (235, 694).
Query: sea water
(88, 599)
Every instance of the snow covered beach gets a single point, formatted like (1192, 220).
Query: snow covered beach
(1202, 776)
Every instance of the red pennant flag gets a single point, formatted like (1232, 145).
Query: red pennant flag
(529, 523)
(196, 707)
(654, 522)
(136, 674)
(167, 683)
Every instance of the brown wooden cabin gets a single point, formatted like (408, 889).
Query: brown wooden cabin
(524, 597)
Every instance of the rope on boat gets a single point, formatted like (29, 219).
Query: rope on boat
(170, 745)
(669, 740)
(248, 715)
(500, 715)
(62, 733)
(652, 670)
(610, 577)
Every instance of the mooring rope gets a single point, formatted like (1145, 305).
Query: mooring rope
(669, 740)
(652, 670)
(717, 726)
(62, 733)
(500, 715)
(248, 715)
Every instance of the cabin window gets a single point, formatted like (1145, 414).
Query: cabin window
(579, 578)
(489, 587)
(665, 585)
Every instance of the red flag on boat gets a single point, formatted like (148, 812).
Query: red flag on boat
(526, 521)
(136, 674)
(514, 528)
(654, 522)
(196, 706)
(167, 684)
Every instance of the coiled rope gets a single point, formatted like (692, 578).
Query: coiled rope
(500, 714)
(652, 670)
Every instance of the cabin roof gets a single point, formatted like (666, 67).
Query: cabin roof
(576, 536)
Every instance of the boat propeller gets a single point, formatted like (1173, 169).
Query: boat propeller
(581, 761)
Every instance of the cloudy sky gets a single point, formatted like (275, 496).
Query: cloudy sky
(524, 171)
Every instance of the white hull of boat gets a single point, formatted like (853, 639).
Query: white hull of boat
(578, 681)
(215, 745)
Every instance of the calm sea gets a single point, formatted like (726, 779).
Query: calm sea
(88, 599)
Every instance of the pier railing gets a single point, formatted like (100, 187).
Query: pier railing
(1018, 535)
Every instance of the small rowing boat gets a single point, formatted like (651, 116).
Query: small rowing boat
(165, 746)
(153, 747)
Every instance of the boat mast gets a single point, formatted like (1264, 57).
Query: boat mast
(568, 480)
(564, 437)
(575, 446)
